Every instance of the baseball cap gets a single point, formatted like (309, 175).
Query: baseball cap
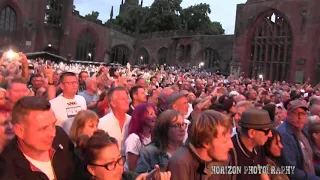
(293, 105)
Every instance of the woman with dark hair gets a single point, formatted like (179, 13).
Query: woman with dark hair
(142, 121)
(273, 152)
(168, 135)
(103, 160)
(275, 113)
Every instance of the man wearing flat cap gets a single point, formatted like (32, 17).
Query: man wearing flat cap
(254, 132)
(297, 150)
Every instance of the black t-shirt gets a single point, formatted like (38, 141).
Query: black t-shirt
(247, 159)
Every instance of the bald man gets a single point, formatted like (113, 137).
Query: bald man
(90, 94)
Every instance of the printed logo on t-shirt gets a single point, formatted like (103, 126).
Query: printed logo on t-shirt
(73, 111)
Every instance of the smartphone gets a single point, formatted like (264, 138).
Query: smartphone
(153, 175)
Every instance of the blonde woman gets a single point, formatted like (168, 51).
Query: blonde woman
(85, 123)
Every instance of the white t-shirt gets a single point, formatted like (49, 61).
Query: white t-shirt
(110, 124)
(133, 145)
(66, 109)
(45, 167)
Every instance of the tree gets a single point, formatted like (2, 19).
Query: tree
(93, 16)
(166, 15)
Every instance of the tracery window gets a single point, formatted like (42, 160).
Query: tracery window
(53, 12)
(211, 58)
(120, 54)
(86, 47)
(271, 48)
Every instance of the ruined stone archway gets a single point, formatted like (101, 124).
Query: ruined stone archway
(271, 47)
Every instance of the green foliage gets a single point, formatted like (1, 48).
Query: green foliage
(166, 15)
(93, 16)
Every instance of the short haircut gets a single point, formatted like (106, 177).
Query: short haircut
(113, 90)
(204, 127)
(25, 105)
(134, 90)
(66, 74)
(17, 80)
(153, 77)
(138, 79)
(80, 74)
(35, 76)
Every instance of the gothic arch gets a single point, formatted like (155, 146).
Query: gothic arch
(86, 46)
(120, 54)
(9, 26)
(162, 55)
(211, 58)
(142, 56)
(270, 51)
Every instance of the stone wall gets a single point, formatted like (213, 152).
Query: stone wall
(303, 17)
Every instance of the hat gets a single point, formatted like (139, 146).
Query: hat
(175, 96)
(255, 119)
(293, 105)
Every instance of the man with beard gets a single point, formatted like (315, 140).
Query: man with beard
(254, 132)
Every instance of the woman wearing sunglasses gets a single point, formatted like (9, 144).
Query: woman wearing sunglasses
(103, 160)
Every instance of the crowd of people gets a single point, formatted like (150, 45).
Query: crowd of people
(62, 121)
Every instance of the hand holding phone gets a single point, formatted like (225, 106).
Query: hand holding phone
(155, 174)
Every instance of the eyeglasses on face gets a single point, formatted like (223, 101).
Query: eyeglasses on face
(112, 165)
(181, 126)
(266, 131)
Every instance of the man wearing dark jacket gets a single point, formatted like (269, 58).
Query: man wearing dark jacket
(210, 142)
(40, 150)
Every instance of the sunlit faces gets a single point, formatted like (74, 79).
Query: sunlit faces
(151, 117)
(276, 146)
(90, 127)
(140, 95)
(6, 131)
(239, 111)
(70, 85)
(17, 91)
(120, 101)
(181, 105)
(38, 130)
(110, 157)
(2, 98)
(218, 148)
(297, 118)
(177, 129)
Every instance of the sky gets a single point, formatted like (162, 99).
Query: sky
(223, 11)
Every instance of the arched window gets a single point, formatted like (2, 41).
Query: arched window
(211, 58)
(53, 12)
(120, 54)
(271, 48)
(8, 20)
(142, 57)
(184, 53)
(86, 47)
(162, 55)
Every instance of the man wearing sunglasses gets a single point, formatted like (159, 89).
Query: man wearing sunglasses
(254, 132)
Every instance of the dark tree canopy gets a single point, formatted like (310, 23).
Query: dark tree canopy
(166, 15)
(93, 16)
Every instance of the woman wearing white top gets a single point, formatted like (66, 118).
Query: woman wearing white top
(142, 121)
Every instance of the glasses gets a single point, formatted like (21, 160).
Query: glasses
(112, 165)
(71, 83)
(181, 126)
(266, 132)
